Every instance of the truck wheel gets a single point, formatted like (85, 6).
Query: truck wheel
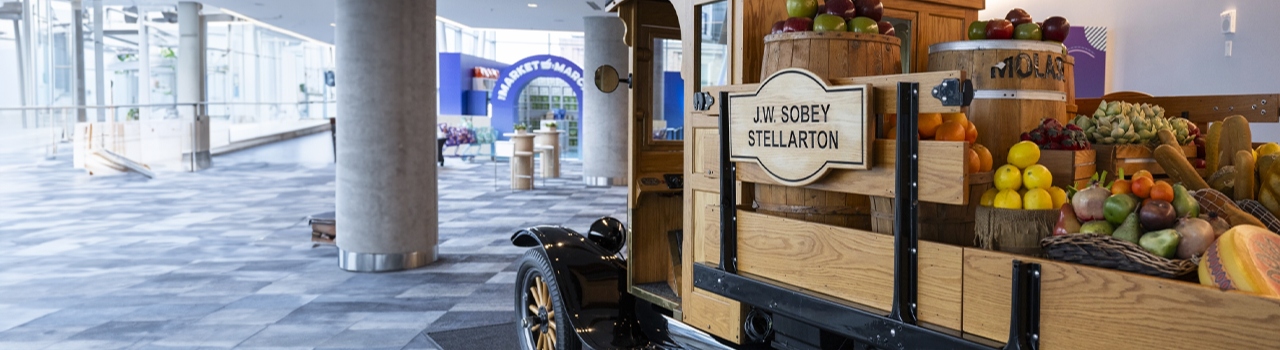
(541, 320)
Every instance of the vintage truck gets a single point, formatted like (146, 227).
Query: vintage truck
(791, 277)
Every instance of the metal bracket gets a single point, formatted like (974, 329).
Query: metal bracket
(1024, 313)
(953, 92)
(728, 194)
(702, 101)
(906, 195)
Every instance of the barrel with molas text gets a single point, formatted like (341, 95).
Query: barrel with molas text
(1017, 83)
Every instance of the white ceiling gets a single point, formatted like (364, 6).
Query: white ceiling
(312, 17)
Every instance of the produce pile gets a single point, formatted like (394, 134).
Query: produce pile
(1235, 168)
(1022, 184)
(1161, 217)
(1053, 136)
(1017, 24)
(1118, 123)
(858, 16)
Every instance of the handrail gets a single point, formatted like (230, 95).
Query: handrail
(33, 108)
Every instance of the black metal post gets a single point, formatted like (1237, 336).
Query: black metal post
(905, 226)
(728, 194)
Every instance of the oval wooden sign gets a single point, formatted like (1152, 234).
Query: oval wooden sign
(797, 128)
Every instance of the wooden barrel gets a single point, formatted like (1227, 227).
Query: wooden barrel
(832, 54)
(829, 55)
(1017, 83)
(1070, 69)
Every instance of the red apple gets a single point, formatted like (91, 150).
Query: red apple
(886, 28)
(802, 24)
(842, 8)
(872, 9)
(999, 29)
(1056, 29)
(1018, 16)
(777, 27)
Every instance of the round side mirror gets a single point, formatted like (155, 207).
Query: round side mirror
(608, 233)
(607, 79)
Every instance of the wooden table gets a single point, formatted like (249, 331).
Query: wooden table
(551, 162)
(521, 160)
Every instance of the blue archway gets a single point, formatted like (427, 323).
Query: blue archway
(513, 79)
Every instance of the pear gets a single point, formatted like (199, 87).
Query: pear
(1067, 221)
(1185, 205)
(1129, 230)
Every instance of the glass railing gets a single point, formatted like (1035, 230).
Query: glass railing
(159, 136)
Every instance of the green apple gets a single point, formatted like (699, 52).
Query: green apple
(978, 30)
(828, 23)
(802, 8)
(1027, 31)
(864, 25)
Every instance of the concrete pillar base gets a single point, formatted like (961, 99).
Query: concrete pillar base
(374, 262)
(598, 181)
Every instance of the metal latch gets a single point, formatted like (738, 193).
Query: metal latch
(952, 92)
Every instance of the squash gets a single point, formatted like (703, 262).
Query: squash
(1235, 137)
(1176, 165)
(1245, 177)
(1211, 147)
(1269, 187)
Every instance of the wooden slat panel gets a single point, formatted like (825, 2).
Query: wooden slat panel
(848, 264)
(1205, 109)
(714, 314)
(1084, 307)
(885, 91)
(943, 165)
(648, 243)
(706, 156)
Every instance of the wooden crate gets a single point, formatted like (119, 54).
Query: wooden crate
(1070, 167)
(1132, 158)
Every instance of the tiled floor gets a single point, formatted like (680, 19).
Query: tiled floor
(221, 258)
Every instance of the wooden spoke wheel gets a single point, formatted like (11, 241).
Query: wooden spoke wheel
(539, 307)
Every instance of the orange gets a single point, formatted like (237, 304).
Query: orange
(985, 155)
(928, 124)
(971, 134)
(1162, 190)
(891, 133)
(1142, 173)
(975, 163)
(891, 120)
(1121, 187)
(1141, 186)
(950, 131)
(956, 117)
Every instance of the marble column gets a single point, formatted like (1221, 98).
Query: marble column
(386, 174)
(604, 122)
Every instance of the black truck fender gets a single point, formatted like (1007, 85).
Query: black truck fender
(592, 282)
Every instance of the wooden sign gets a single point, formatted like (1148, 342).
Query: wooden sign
(797, 128)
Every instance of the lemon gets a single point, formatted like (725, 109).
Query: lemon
(1008, 177)
(1037, 199)
(1023, 154)
(1266, 149)
(1059, 196)
(988, 197)
(1008, 199)
(1037, 176)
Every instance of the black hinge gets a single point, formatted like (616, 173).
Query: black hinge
(953, 92)
(702, 101)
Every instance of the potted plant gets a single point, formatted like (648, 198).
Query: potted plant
(521, 129)
(551, 126)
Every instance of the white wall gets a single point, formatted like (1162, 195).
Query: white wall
(1176, 47)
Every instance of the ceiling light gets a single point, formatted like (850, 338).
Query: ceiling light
(333, 24)
(533, 5)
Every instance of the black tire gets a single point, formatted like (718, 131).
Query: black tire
(531, 325)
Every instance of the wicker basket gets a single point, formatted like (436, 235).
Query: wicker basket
(1113, 253)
